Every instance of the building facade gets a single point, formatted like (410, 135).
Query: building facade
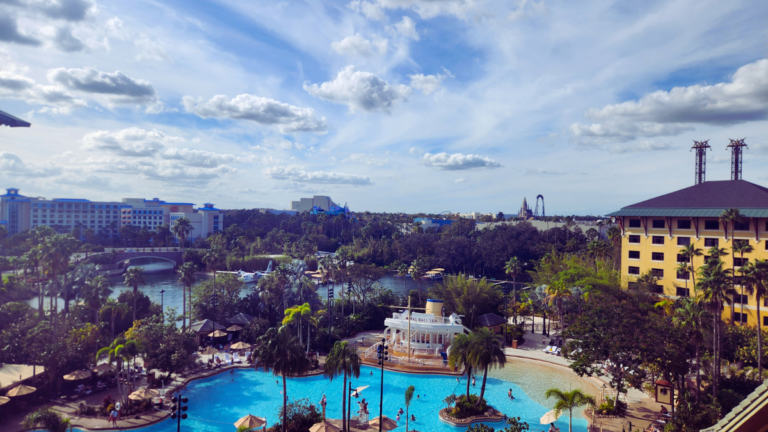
(19, 213)
(307, 204)
(654, 233)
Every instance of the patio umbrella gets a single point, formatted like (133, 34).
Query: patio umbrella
(240, 345)
(21, 391)
(324, 426)
(104, 367)
(235, 328)
(251, 422)
(210, 351)
(439, 269)
(387, 423)
(4, 400)
(217, 333)
(143, 394)
(549, 417)
(77, 375)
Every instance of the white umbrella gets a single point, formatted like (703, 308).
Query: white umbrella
(549, 417)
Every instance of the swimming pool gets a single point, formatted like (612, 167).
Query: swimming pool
(215, 403)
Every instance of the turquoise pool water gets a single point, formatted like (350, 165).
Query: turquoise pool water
(216, 403)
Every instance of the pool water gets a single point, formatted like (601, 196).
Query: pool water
(216, 403)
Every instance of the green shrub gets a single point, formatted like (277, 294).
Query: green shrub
(464, 408)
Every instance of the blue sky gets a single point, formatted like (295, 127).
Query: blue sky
(389, 105)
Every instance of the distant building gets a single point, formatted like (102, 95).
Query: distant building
(475, 215)
(205, 221)
(427, 223)
(492, 321)
(525, 211)
(307, 204)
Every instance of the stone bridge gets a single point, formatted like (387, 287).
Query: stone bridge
(170, 256)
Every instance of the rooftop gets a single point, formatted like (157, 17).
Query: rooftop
(490, 320)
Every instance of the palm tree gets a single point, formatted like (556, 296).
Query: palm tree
(732, 215)
(556, 294)
(691, 317)
(408, 398)
(569, 401)
(513, 268)
(614, 235)
(344, 361)
(402, 271)
(487, 352)
(54, 255)
(296, 314)
(47, 420)
(758, 275)
(187, 278)
(342, 257)
(181, 229)
(685, 269)
(281, 353)
(741, 248)
(134, 277)
(690, 252)
(417, 271)
(116, 352)
(459, 352)
(714, 288)
(95, 293)
(113, 308)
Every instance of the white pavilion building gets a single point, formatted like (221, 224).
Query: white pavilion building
(431, 332)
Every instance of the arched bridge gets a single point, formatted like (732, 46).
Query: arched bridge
(170, 256)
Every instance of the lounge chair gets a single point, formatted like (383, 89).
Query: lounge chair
(227, 359)
(558, 352)
(236, 358)
(549, 345)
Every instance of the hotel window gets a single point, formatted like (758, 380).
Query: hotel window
(634, 223)
(765, 320)
(739, 317)
(657, 240)
(657, 273)
(658, 223)
(683, 275)
(740, 299)
(738, 262)
(636, 239)
(634, 270)
(683, 224)
(711, 224)
(740, 242)
(711, 242)
(683, 292)
(741, 226)
(736, 280)
(657, 256)
(681, 258)
(657, 289)
(634, 254)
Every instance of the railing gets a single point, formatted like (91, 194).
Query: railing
(437, 320)
(372, 354)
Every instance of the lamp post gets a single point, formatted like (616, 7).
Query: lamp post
(349, 407)
(162, 309)
(178, 409)
(382, 356)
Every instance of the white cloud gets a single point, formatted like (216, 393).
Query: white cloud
(428, 84)
(131, 142)
(199, 158)
(261, 110)
(459, 180)
(297, 173)
(16, 86)
(357, 45)
(370, 10)
(432, 8)
(66, 41)
(407, 28)
(366, 159)
(458, 161)
(165, 171)
(542, 172)
(526, 9)
(12, 164)
(672, 112)
(117, 87)
(642, 147)
(150, 51)
(9, 32)
(360, 91)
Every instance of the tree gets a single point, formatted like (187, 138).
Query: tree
(55, 252)
(685, 269)
(295, 315)
(569, 401)
(487, 351)
(187, 279)
(417, 271)
(181, 229)
(758, 275)
(363, 279)
(116, 352)
(279, 352)
(714, 289)
(513, 268)
(113, 308)
(732, 215)
(690, 252)
(741, 248)
(690, 316)
(459, 354)
(344, 361)
(408, 398)
(468, 297)
(134, 277)
(47, 420)
(95, 294)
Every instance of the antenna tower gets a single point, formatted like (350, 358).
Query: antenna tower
(701, 160)
(736, 147)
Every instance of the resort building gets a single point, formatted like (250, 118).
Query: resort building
(492, 321)
(307, 204)
(654, 233)
(427, 223)
(430, 331)
(19, 213)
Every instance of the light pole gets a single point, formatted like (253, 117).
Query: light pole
(162, 309)
(382, 356)
(178, 409)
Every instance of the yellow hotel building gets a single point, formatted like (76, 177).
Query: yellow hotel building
(655, 231)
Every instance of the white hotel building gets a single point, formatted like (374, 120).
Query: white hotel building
(19, 213)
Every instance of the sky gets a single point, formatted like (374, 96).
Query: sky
(387, 105)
